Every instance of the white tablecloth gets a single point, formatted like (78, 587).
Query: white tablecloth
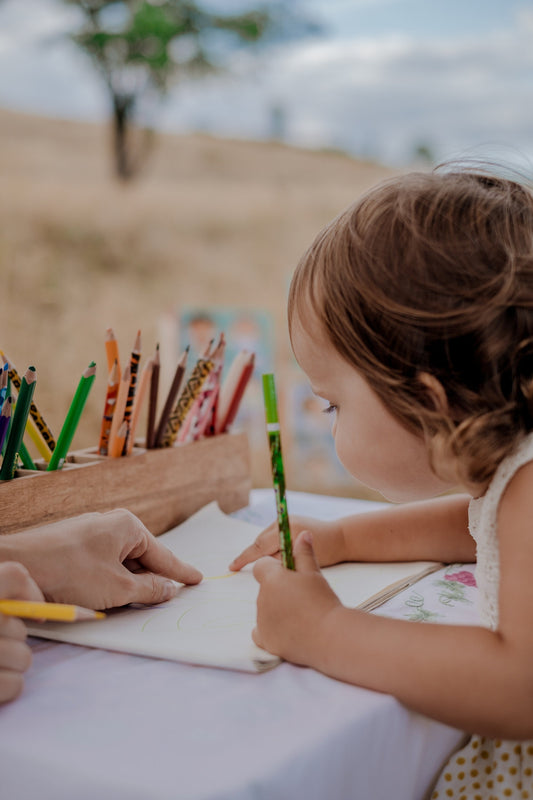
(96, 725)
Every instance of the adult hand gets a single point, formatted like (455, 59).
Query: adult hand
(15, 654)
(293, 606)
(100, 561)
(327, 540)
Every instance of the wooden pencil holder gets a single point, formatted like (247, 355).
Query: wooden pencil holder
(162, 487)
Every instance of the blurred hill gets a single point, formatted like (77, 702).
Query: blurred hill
(210, 222)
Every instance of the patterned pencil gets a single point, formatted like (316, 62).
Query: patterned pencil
(171, 397)
(18, 424)
(118, 414)
(113, 383)
(73, 417)
(111, 349)
(142, 389)
(152, 405)
(278, 473)
(134, 368)
(201, 414)
(39, 431)
(193, 387)
(5, 419)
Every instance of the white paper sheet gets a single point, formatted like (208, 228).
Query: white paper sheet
(211, 623)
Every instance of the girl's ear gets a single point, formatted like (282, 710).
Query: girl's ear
(435, 390)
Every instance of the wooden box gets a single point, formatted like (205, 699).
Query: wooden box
(162, 487)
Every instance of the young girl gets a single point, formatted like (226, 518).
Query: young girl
(412, 315)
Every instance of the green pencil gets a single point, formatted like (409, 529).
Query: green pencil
(18, 424)
(64, 440)
(278, 473)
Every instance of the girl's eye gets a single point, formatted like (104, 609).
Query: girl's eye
(330, 409)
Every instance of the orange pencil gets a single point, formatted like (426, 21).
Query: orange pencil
(111, 349)
(113, 383)
(144, 380)
(120, 406)
(117, 445)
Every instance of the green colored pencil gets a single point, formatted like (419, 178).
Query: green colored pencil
(278, 473)
(18, 424)
(25, 457)
(64, 440)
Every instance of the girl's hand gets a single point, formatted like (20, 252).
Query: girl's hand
(15, 654)
(293, 606)
(101, 561)
(328, 542)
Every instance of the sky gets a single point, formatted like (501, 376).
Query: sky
(383, 78)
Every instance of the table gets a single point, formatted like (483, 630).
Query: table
(96, 724)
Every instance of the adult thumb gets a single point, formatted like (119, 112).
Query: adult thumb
(304, 555)
(150, 588)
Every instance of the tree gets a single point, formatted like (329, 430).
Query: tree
(140, 46)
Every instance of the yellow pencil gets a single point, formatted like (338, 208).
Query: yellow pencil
(59, 612)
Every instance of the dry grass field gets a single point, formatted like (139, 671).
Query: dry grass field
(210, 222)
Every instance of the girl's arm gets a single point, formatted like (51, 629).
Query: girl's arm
(432, 530)
(470, 677)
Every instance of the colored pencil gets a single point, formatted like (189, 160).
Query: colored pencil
(4, 375)
(25, 457)
(144, 380)
(5, 419)
(171, 397)
(116, 446)
(39, 431)
(186, 400)
(18, 424)
(152, 405)
(58, 612)
(278, 472)
(229, 386)
(111, 349)
(113, 383)
(223, 423)
(72, 419)
(200, 416)
(118, 415)
(134, 368)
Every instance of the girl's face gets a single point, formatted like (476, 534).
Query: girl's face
(373, 446)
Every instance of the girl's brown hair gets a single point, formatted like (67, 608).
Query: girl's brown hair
(434, 273)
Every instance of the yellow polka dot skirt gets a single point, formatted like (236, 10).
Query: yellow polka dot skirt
(487, 769)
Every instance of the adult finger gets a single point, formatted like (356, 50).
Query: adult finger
(159, 559)
(11, 685)
(12, 628)
(304, 555)
(15, 656)
(266, 544)
(17, 583)
(150, 589)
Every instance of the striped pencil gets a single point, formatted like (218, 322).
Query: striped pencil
(142, 389)
(134, 368)
(113, 383)
(118, 414)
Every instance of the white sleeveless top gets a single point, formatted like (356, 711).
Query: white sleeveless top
(483, 525)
